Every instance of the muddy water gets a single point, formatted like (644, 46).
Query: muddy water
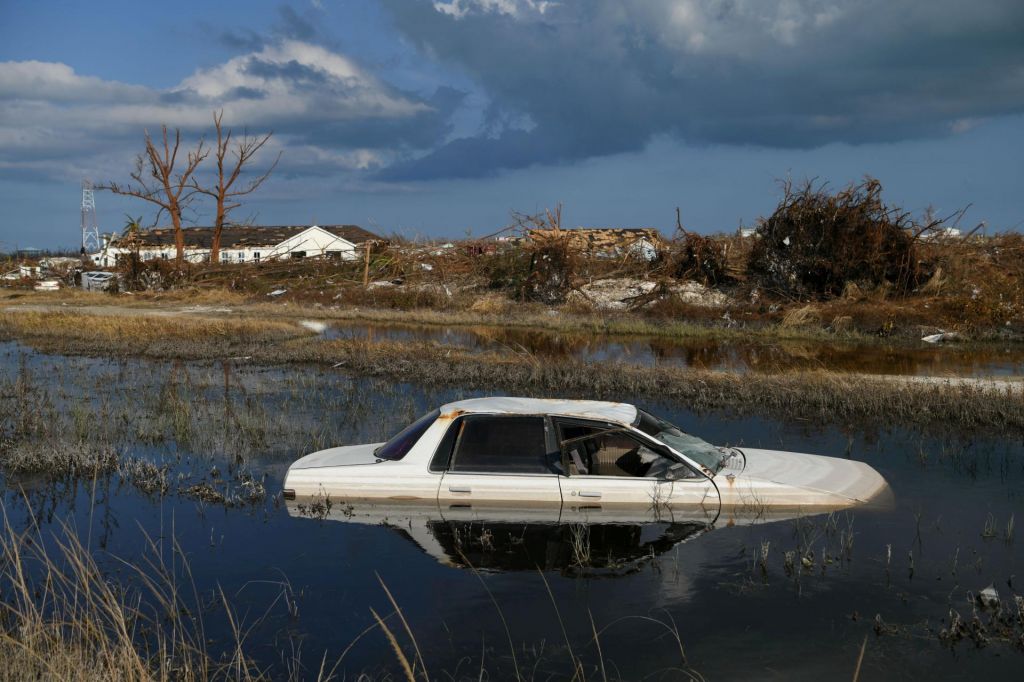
(895, 584)
(1000, 360)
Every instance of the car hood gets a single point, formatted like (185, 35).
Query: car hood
(793, 479)
(337, 457)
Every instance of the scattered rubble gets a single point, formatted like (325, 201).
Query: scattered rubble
(623, 293)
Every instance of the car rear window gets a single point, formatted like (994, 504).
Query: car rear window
(399, 445)
(513, 445)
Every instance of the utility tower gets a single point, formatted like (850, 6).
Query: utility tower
(90, 228)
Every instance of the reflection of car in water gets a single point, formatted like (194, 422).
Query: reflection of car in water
(577, 454)
(557, 547)
(495, 538)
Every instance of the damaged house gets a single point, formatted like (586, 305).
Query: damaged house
(606, 242)
(242, 244)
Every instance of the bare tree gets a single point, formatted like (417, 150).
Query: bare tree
(156, 181)
(224, 191)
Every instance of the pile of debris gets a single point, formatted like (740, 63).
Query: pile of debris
(604, 242)
(624, 293)
(816, 242)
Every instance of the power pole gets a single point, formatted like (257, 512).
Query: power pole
(90, 228)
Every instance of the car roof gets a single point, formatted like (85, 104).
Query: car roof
(621, 413)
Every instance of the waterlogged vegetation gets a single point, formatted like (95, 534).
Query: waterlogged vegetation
(145, 536)
(806, 394)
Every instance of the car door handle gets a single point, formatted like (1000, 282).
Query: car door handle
(589, 493)
(459, 489)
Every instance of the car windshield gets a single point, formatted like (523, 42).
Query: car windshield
(399, 445)
(700, 451)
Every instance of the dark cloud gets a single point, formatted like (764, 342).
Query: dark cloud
(242, 92)
(292, 25)
(293, 71)
(422, 131)
(597, 77)
(242, 40)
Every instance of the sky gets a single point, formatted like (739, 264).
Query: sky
(438, 118)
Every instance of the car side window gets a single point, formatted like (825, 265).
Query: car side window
(596, 451)
(501, 445)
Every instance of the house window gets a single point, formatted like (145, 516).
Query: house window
(163, 255)
(298, 254)
(241, 256)
(256, 256)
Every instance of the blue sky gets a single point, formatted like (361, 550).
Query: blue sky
(437, 118)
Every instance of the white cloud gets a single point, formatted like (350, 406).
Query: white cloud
(59, 83)
(512, 8)
(56, 122)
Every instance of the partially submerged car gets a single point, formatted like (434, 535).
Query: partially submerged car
(529, 453)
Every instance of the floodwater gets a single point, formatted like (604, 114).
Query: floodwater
(976, 360)
(467, 586)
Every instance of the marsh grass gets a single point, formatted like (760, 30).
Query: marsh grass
(818, 395)
(157, 336)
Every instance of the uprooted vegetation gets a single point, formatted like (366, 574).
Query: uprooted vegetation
(817, 243)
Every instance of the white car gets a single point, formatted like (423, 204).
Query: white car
(535, 455)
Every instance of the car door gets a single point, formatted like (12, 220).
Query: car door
(610, 469)
(498, 461)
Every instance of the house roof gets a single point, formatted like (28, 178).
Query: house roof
(620, 413)
(235, 237)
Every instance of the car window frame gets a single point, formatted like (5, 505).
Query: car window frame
(444, 455)
(637, 435)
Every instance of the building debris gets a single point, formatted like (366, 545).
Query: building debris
(624, 293)
(605, 242)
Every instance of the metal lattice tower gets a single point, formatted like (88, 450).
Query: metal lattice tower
(90, 228)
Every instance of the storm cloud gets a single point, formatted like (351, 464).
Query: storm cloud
(587, 78)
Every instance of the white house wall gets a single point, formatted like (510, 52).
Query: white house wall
(313, 242)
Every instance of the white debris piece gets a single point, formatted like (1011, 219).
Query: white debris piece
(314, 325)
(47, 285)
(697, 294)
(940, 337)
(989, 598)
(277, 292)
(615, 293)
(620, 293)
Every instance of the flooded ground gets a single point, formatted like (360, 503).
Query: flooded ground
(977, 360)
(666, 598)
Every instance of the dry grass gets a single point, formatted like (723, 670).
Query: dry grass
(152, 335)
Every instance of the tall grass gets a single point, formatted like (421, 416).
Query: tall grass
(64, 618)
